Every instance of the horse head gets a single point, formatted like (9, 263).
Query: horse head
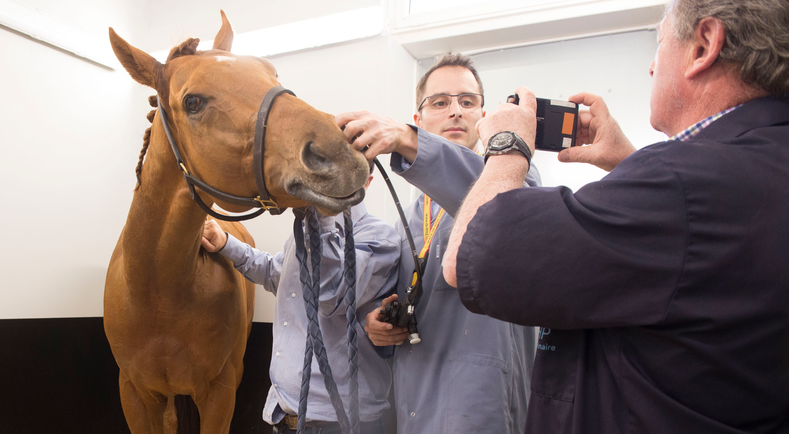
(212, 98)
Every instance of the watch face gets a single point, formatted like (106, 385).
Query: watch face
(500, 140)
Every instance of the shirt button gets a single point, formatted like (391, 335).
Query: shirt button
(293, 295)
(466, 331)
(413, 414)
(285, 323)
(277, 353)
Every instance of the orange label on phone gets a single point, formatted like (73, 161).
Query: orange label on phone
(569, 122)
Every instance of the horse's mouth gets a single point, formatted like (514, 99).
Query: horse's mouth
(334, 205)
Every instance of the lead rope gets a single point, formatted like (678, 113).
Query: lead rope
(350, 314)
(314, 338)
(306, 285)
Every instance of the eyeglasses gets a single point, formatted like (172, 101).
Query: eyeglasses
(441, 101)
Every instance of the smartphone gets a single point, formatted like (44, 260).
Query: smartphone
(557, 123)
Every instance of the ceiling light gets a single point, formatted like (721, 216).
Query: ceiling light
(300, 35)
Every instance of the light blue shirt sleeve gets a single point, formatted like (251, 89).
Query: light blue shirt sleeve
(255, 265)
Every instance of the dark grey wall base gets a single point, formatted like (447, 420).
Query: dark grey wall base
(57, 376)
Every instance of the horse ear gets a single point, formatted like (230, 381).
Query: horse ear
(142, 67)
(224, 39)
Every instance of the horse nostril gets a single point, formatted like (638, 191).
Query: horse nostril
(314, 160)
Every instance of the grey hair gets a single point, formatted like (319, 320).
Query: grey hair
(757, 36)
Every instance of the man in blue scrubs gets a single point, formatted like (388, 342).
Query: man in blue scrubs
(470, 373)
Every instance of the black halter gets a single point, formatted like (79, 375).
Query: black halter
(263, 200)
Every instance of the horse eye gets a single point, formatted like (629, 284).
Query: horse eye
(193, 104)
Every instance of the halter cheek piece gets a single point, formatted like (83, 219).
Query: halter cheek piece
(263, 200)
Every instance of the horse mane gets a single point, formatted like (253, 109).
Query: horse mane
(146, 141)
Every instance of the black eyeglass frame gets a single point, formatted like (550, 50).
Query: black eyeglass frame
(450, 98)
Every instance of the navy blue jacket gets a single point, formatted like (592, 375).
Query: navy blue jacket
(662, 290)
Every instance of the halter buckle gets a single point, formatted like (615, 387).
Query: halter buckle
(183, 169)
(266, 203)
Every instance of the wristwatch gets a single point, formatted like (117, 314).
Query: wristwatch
(506, 142)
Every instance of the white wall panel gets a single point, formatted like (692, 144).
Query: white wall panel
(614, 66)
(71, 131)
(172, 21)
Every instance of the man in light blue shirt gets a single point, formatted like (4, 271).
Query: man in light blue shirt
(470, 373)
(377, 255)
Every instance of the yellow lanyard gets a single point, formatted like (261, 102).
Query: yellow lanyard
(429, 230)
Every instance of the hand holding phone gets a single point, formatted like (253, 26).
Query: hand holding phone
(557, 126)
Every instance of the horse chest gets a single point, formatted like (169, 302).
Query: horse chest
(200, 322)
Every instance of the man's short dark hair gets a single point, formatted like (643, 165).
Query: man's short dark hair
(451, 59)
(757, 36)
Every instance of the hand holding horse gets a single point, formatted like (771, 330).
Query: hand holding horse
(214, 238)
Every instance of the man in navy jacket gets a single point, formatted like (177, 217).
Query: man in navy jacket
(663, 289)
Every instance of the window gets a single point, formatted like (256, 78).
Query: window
(430, 27)
(422, 6)
(413, 13)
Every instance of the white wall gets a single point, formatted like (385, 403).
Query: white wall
(70, 133)
(614, 67)
(172, 21)
(71, 130)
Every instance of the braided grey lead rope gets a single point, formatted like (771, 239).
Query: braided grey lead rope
(314, 341)
(318, 346)
(350, 314)
(301, 255)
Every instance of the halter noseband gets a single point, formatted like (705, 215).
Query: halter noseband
(263, 200)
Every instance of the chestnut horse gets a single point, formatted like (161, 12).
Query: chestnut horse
(177, 318)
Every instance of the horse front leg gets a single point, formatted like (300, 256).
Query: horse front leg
(216, 407)
(142, 416)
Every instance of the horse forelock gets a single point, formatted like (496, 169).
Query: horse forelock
(187, 48)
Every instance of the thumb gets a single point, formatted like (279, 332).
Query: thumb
(388, 300)
(207, 244)
(578, 154)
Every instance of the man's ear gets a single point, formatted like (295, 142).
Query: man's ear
(417, 120)
(705, 46)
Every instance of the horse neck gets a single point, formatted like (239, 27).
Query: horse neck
(161, 239)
